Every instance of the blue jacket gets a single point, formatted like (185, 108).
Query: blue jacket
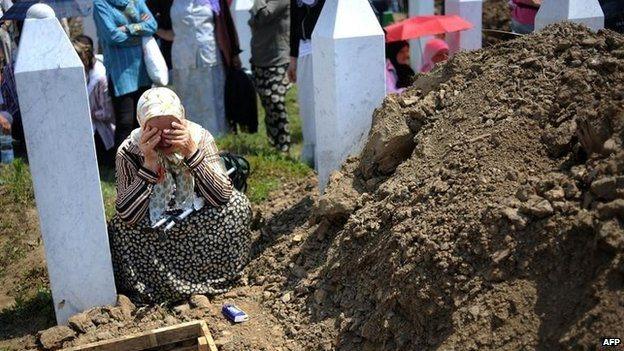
(123, 50)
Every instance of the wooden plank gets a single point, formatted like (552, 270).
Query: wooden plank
(187, 348)
(149, 339)
(211, 344)
(202, 344)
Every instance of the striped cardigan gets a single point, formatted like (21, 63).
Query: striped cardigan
(135, 182)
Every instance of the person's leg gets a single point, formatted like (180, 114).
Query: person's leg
(125, 108)
(100, 150)
(277, 107)
(306, 107)
(217, 74)
(272, 85)
(261, 81)
(135, 101)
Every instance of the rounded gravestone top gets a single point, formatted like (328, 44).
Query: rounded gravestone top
(39, 11)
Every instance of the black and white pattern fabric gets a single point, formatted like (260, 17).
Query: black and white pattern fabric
(203, 254)
(272, 84)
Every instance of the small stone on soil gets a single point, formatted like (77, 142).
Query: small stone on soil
(54, 337)
(200, 301)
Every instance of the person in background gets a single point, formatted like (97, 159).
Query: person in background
(303, 17)
(11, 105)
(5, 122)
(166, 167)
(436, 51)
(270, 24)
(121, 26)
(379, 8)
(205, 46)
(161, 11)
(523, 15)
(100, 101)
(614, 14)
(399, 74)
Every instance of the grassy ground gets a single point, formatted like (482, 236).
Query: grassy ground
(269, 170)
(16, 189)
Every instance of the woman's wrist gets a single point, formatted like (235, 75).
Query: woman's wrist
(192, 150)
(151, 164)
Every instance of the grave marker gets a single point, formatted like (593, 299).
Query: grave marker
(53, 99)
(241, 15)
(587, 12)
(471, 11)
(417, 46)
(349, 80)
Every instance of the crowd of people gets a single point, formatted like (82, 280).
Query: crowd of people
(200, 46)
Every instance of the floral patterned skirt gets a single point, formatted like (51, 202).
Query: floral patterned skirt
(203, 254)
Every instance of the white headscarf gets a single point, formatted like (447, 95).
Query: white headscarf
(176, 181)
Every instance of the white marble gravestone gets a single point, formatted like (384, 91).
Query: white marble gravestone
(349, 80)
(471, 11)
(587, 12)
(417, 46)
(240, 13)
(53, 100)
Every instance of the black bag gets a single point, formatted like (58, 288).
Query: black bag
(241, 107)
(241, 169)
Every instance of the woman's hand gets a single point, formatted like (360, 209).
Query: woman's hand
(292, 70)
(165, 34)
(149, 140)
(123, 29)
(180, 137)
(5, 125)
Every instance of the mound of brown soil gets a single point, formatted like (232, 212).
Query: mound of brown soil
(485, 212)
(496, 15)
(503, 227)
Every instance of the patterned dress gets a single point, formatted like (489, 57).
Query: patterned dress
(203, 254)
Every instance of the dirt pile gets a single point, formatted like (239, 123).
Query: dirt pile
(496, 15)
(503, 227)
(485, 212)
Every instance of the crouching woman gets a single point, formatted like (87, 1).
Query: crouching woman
(167, 167)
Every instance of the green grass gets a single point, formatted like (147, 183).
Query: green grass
(16, 192)
(269, 168)
(16, 179)
(109, 191)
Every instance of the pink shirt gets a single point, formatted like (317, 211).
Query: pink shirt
(102, 116)
(391, 79)
(523, 13)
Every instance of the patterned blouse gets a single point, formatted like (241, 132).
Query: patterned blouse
(135, 182)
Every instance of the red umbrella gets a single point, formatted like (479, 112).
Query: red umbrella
(420, 26)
